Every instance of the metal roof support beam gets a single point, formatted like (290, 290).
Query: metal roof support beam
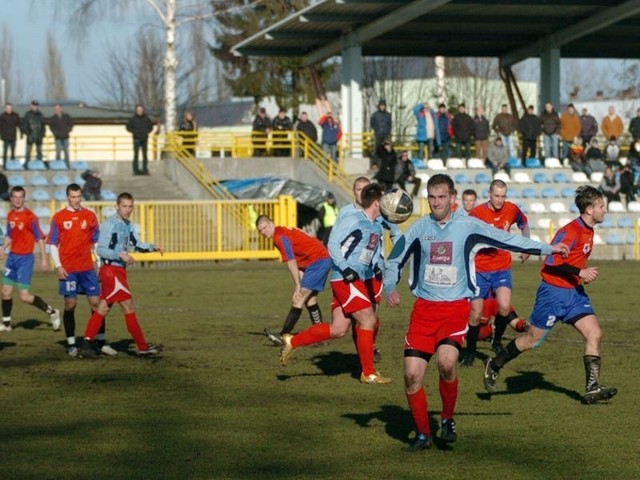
(374, 29)
(581, 29)
(549, 75)
(351, 93)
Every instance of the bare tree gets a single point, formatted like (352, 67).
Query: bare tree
(6, 61)
(56, 88)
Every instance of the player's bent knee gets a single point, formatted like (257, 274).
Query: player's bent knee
(537, 343)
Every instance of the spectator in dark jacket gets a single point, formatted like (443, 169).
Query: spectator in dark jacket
(550, 127)
(261, 128)
(282, 123)
(588, 126)
(92, 189)
(307, 127)
(530, 128)
(140, 126)
(386, 174)
(4, 187)
(505, 124)
(443, 125)
(407, 174)
(634, 126)
(462, 124)
(189, 132)
(33, 126)
(61, 125)
(381, 125)
(627, 183)
(9, 125)
(481, 131)
(610, 185)
(331, 134)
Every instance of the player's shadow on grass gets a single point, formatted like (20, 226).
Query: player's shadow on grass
(338, 363)
(398, 424)
(31, 324)
(527, 381)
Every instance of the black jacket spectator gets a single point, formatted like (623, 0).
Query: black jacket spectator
(634, 127)
(530, 126)
(33, 126)
(550, 122)
(308, 128)
(481, 128)
(463, 126)
(61, 126)
(261, 124)
(9, 124)
(92, 189)
(4, 187)
(381, 123)
(140, 126)
(388, 160)
(281, 124)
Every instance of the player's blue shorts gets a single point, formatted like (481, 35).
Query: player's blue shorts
(19, 269)
(315, 275)
(80, 283)
(553, 304)
(488, 282)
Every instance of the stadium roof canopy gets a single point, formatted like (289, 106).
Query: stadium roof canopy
(512, 30)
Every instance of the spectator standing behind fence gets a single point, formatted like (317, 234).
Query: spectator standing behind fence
(588, 127)
(550, 121)
(462, 124)
(61, 125)
(612, 125)
(261, 130)
(481, 131)
(189, 132)
(569, 129)
(140, 126)
(282, 123)
(530, 128)
(307, 127)
(381, 124)
(331, 133)
(634, 126)
(445, 131)
(505, 124)
(33, 127)
(9, 125)
(426, 131)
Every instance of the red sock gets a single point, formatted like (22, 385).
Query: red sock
(418, 406)
(376, 329)
(93, 326)
(365, 351)
(314, 334)
(449, 395)
(134, 329)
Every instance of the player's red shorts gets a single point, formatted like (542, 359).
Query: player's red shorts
(354, 296)
(113, 284)
(432, 322)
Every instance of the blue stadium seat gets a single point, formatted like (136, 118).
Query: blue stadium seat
(549, 192)
(80, 165)
(540, 177)
(515, 162)
(40, 196)
(39, 181)
(15, 180)
(485, 193)
(60, 179)
(631, 238)
(533, 163)
(573, 208)
(60, 195)
(42, 212)
(483, 178)
(37, 165)
(567, 192)
(109, 195)
(614, 238)
(57, 166)
(607, 223)
(418, 163)
(625, 222)
(529, 192)
(561, 177)
(79, 180)
(513, 193)
(523, 207)
(462, 178)
(14, 166)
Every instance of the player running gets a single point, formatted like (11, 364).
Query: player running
(74, 232)
(23, 231)
(308, 262)
(561, 297)
(443, 245)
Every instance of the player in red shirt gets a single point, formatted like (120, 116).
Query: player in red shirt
(308, 262)
(23, 231)
(74, 232)
(493, 268)
(561, 297)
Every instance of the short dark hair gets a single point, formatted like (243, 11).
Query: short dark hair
(124, 196)
(263, 218)
(17, 189)
(442, 179)
(586, 196)
(73, 187)
(370, 194)
(470, 191)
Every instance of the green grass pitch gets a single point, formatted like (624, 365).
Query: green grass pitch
(217, 405)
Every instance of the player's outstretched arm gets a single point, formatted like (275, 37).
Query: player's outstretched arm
(393, 299)
(561, 249)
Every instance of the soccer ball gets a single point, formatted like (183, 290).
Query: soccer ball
(396, 205)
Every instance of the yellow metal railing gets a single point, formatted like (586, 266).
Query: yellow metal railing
(203, 230)
(99, 147)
